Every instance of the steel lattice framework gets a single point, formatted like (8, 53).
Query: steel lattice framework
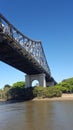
(34, 48)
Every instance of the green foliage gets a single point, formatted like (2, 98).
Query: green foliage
(39, 91)
(17, 90)
(0, 94)
(28, 93)
(3, 93)
(46, 92)
(53, 92)
(66, 86)
(7, 86)
(19, 84)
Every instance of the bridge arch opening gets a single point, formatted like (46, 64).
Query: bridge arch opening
(39, 77)
(35, 83)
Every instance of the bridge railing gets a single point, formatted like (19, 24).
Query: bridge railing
(34, 48)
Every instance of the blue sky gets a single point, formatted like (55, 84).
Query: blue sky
(50, 21)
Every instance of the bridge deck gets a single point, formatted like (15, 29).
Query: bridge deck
(21, 52)
(14, 55)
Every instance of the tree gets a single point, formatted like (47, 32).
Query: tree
(7, 86)
(20, 84)
(17, 90)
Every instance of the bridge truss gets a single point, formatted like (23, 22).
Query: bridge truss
(34, 48)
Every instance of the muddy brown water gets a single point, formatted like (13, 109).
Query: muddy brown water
(37, 115)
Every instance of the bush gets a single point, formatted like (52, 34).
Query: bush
(16, 91)
(53, 92)
(28, 93)
(39, 91)
(49, 92)
(65, 87)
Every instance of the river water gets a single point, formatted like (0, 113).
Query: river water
(37, 115)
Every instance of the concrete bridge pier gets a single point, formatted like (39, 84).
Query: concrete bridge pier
(50, 84)
(30, 78)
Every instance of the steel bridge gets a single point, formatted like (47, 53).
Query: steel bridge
(21, 52)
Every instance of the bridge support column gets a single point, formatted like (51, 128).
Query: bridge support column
(50, 84)
(39, 77)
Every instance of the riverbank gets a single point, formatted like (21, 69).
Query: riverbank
(64, 97)
(3, 100)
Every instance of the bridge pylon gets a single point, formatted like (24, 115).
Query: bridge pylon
(30, 78)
